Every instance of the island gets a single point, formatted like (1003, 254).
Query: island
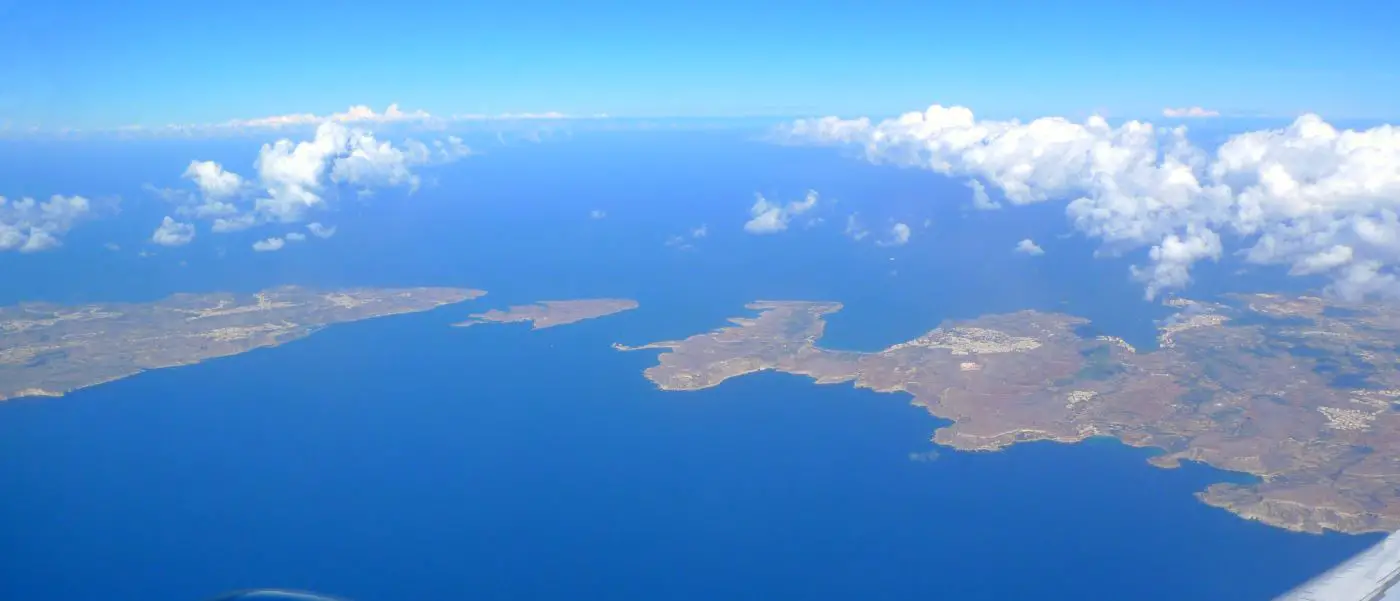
(547, 314)
(1299, 392)
(50, 350)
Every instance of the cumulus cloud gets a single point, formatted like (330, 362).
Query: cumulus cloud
(28, 226)
(1308, 196)
(269, 244)
(597, 214)
(1029, 247)
(173, 233)
(700, 232)
(294, 174)
(320, 231)
(295, 178)
(295, 237)
(770, 218)
(1172, 259)
(213, 182)
(216, 188)
(1190, 112)
(899, 235)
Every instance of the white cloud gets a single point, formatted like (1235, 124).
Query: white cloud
(545, 116)
(30, 226)
(1365, 278)
(214, 183)
(684, 242)
(854, 229)
(172, 195)
(1189, 112)
(294, 178)
(320, 231)
(980, 199)
(217, 189)
(173, 233)
(237, 223)
(1172, 259)
(361, 112)
(770, 218)
(597, 214)
(356, 114)
(295, 237)
(899, 235)
(441, 151)
(209, 209)
(767, 217)
(1029, 247)
(1293, 196)
(1323, 261)
(367, 162)
(39, 240)
(293, 173)
(451, 149)
(269, 245)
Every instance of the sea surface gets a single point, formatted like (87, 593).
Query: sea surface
(399, 459)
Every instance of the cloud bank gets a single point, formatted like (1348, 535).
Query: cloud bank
(1316, 199)
(1191, 112)
(356, 115)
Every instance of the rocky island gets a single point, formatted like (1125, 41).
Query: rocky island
(1300, 392)
(49, 350)
(547, 314)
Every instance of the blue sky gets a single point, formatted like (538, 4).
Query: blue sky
(92, 64)
(1302, 174)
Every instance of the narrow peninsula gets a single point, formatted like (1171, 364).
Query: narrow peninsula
(50, 350)
(1302, 392)
(547, 314)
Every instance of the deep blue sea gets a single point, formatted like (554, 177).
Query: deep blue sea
(399, 459)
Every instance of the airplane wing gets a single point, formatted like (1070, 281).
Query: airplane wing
(1373, 575)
